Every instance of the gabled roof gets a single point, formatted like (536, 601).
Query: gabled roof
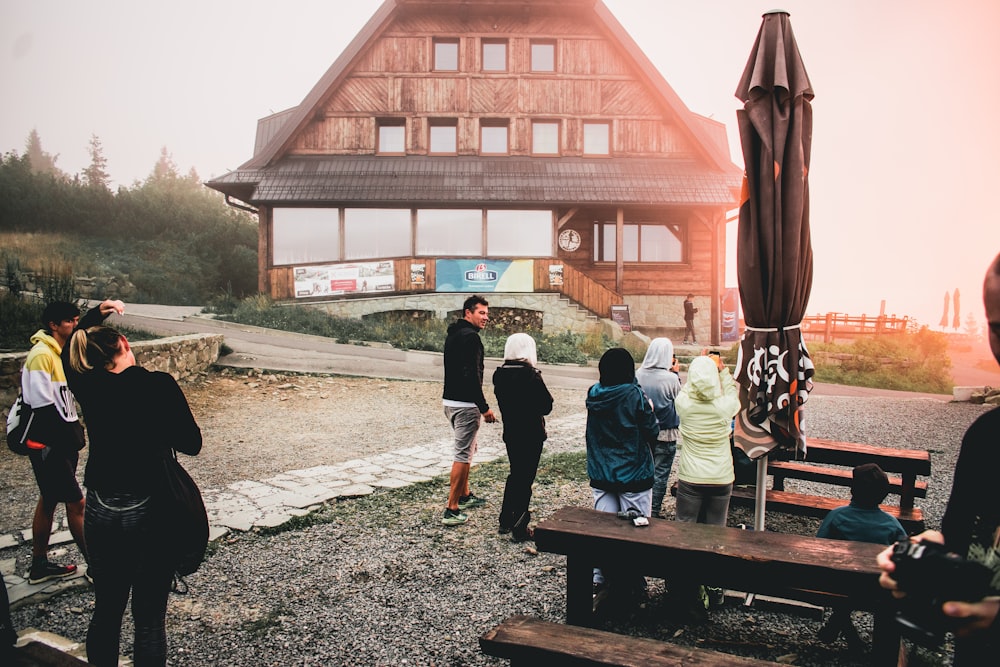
(370, 180)
(294, 121)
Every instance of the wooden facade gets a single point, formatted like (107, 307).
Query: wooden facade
(663, 166)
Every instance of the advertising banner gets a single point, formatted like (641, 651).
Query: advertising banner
(730, 315)
(335, 279)
(480, 275)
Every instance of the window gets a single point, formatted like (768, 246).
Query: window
(494, 55)
(376, 232)
(391, 137)
(449, 232)
(519, 233)
(305, 235)
(444, 136)
(597, 138)
(446, 55)
(543, 56)
(545, 138)
(642, 242)
(493, 137)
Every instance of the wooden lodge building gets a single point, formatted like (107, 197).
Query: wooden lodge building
(518, 147)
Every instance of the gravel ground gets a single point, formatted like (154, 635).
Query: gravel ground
(378, 580)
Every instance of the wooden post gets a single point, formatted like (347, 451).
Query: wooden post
(828, 328)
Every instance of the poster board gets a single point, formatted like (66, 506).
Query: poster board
(620, 315)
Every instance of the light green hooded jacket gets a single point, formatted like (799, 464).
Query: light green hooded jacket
(706, 406)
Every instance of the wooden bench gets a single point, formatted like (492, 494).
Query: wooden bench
(822, 453)
(787, 566)
(528, 641)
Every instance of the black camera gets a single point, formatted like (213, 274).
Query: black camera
(630, 514)
(930, 575)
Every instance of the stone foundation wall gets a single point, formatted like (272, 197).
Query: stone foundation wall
(557, 314)
(664, 316)
(181, 356)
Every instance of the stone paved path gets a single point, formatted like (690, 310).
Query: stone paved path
(274, 500)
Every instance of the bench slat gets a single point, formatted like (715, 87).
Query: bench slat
(819, 506)
(850, 454)
(531, 641)
(837, 476)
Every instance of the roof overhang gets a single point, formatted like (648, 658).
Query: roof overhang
(451, 181)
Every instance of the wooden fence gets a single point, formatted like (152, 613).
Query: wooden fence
(832, 326)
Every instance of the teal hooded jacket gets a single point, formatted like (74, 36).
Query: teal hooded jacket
(620, 428)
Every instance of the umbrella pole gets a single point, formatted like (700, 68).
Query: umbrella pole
(761, 493)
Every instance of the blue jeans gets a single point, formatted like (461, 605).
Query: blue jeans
(663, 461)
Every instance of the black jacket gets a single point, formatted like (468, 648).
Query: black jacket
(463, 365)
(524, 400)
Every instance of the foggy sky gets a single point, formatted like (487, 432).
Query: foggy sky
(905, 144)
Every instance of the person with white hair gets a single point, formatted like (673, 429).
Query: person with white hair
(524, 401)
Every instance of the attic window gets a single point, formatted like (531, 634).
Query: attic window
(543, 56)
(446, 55)
(545, 137)
(597, 138)
(443, 136)
(391, 137)
(493, 136)
(494, 55)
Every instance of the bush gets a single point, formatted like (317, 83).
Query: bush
(917, 362)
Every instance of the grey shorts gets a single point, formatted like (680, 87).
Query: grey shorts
(465, 424)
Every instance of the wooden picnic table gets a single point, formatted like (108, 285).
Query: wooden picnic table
(766, 563)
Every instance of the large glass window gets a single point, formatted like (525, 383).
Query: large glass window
(494, 55)
(493, 137)
(545, 138)
(305, 235)
(450, 232)
(446, 55)
(391, 137)
(519, 233)
(597, 138)
(376, 232)
(444, 136)
(642, 242)
(543, 56)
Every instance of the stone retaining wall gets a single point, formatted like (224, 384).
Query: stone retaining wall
(558, 314)
(181, 356)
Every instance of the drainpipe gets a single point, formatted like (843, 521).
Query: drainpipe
(240, 205)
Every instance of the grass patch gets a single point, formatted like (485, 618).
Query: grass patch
(407, 334)
(905, 362)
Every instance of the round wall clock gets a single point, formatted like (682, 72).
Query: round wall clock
(569, 240)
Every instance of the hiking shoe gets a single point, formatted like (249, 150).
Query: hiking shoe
(470, 501)
(454, 517)
(716, 596)
(45, 571)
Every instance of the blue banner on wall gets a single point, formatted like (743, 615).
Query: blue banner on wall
(730, 315)
(480, 275)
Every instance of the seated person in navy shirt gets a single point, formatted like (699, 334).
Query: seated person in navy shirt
(861, 521)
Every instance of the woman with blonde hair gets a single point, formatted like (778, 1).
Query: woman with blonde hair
(524, 401)
(134, 419)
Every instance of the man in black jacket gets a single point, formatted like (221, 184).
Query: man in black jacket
(464, 402)
(971, 523)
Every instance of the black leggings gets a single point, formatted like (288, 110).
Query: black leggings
(124, 557)
(524, 457)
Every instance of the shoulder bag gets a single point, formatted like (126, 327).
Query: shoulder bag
(184, 517)
(18, 423)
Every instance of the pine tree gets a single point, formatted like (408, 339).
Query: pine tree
(96, 175)
(40, 161)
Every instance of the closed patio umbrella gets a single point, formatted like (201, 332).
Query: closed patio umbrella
(947, 306)
(956, 301)
(774, 259)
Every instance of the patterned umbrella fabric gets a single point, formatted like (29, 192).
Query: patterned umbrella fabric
(774, 253)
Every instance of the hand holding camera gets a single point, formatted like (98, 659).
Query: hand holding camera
(930, 575)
